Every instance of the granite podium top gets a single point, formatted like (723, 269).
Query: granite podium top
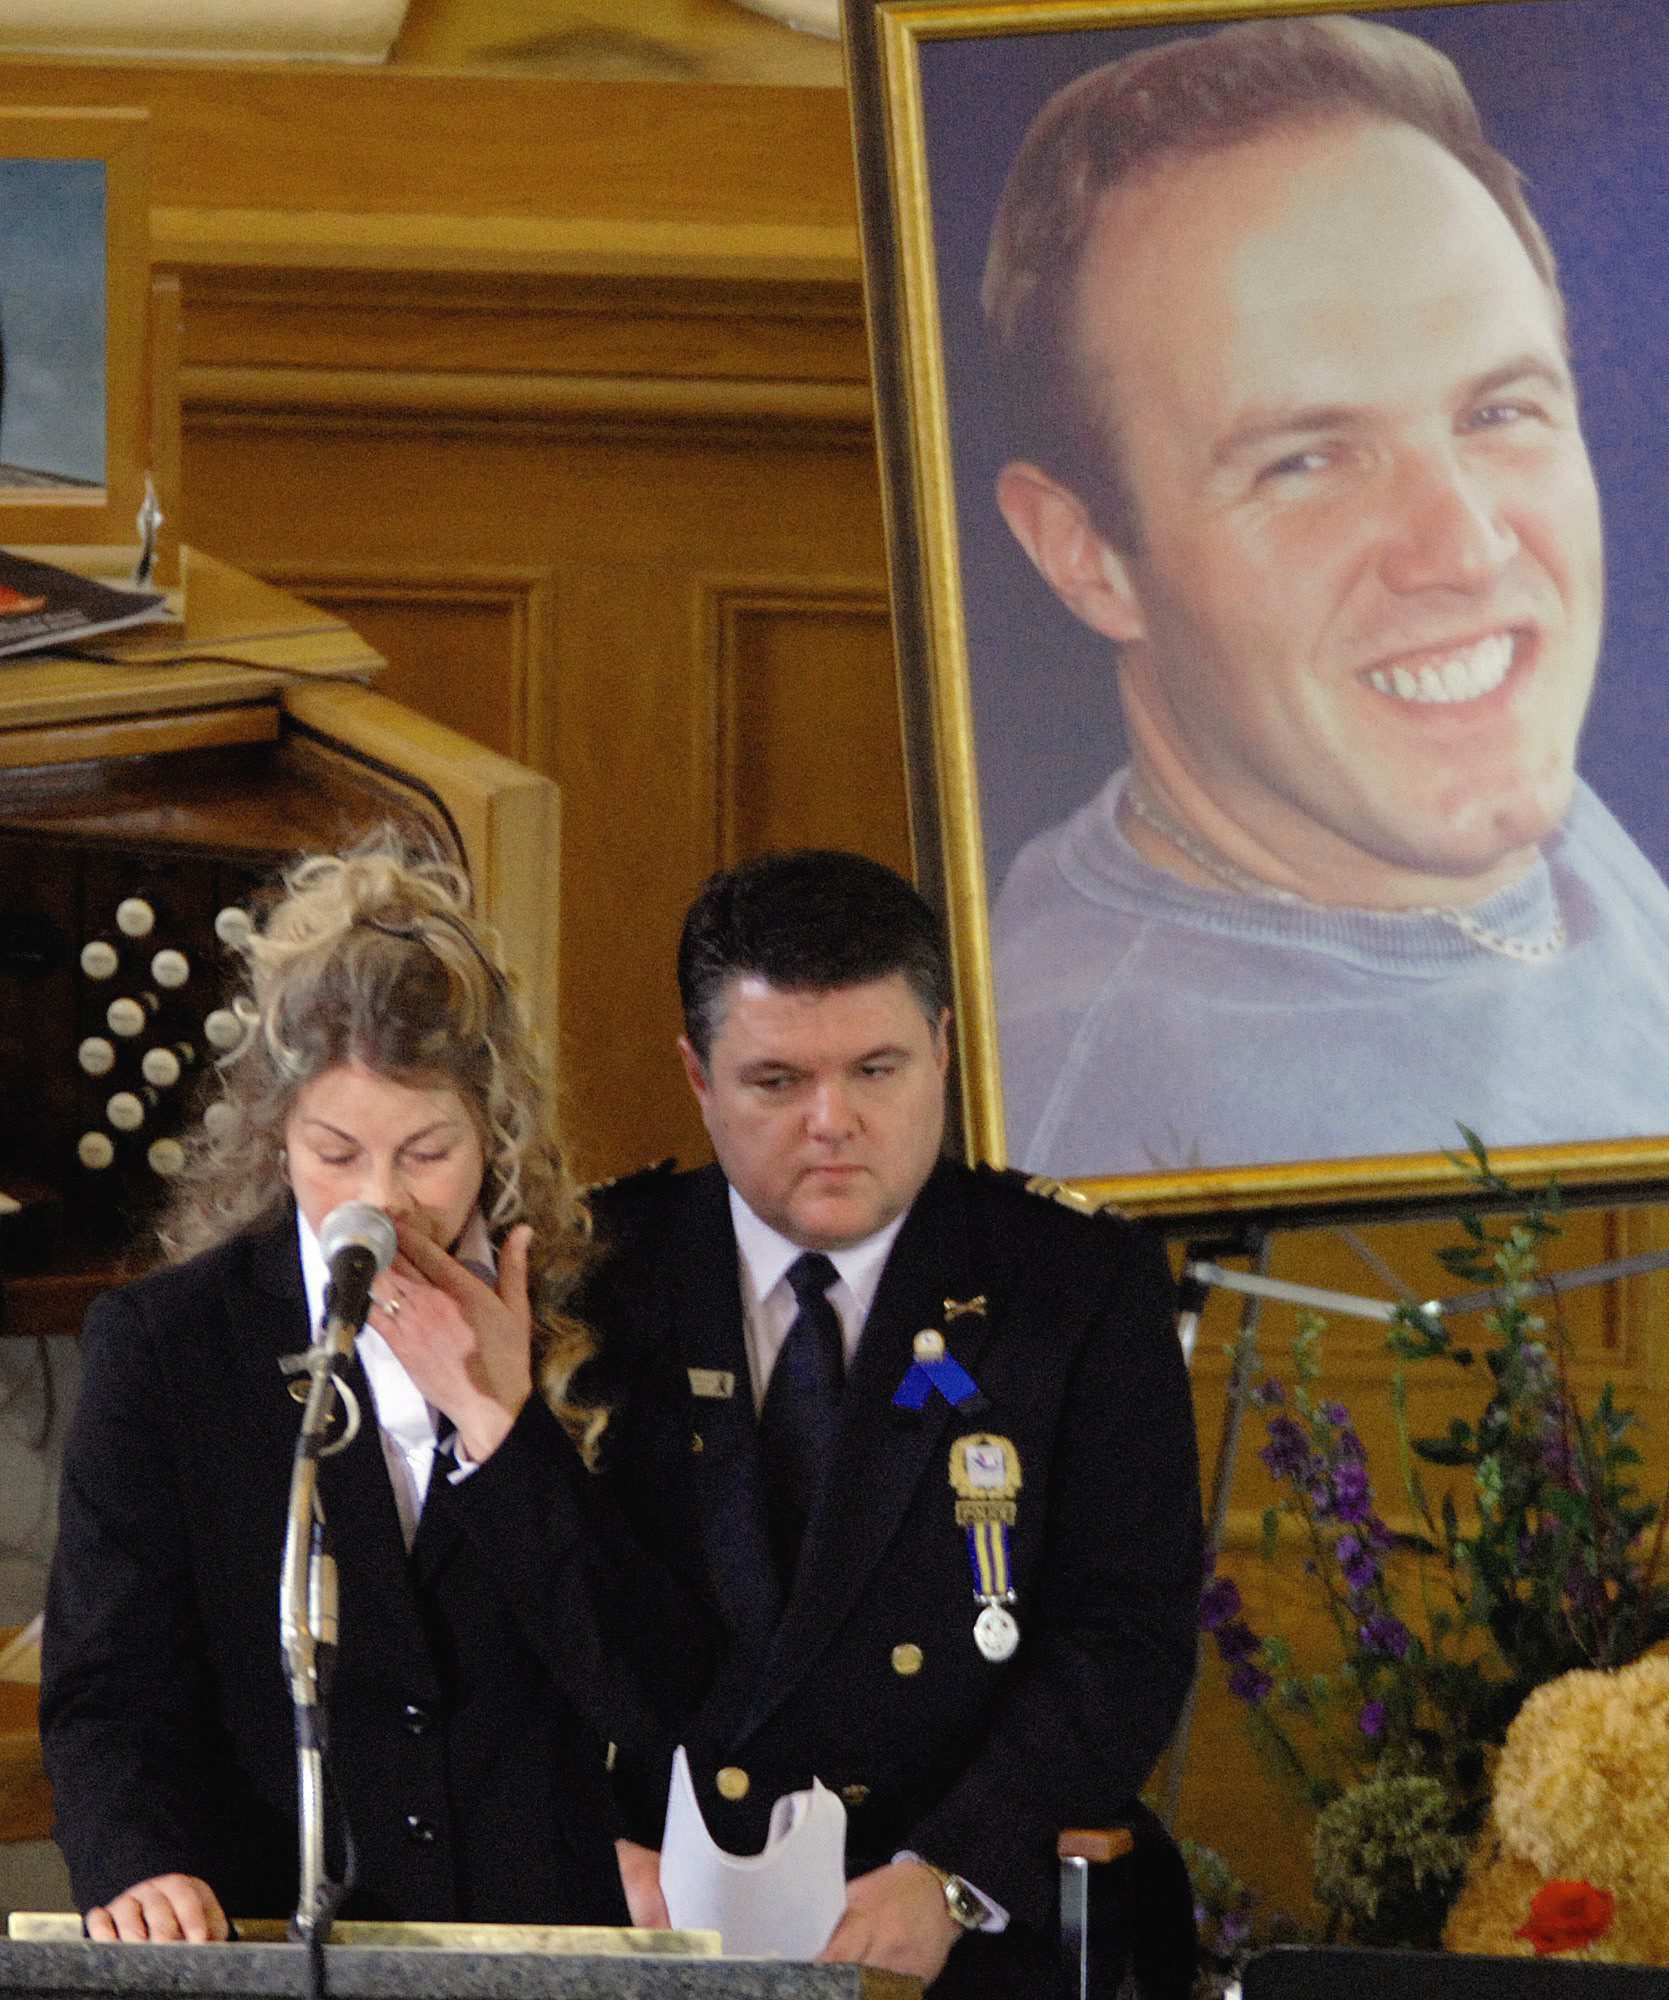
(83, 1971)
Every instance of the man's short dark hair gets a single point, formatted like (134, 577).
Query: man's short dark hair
(808, 921)
(1195, 95)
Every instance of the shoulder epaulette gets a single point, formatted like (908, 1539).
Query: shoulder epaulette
(1061, 1192)
(638, 1177)
(1016, 1181)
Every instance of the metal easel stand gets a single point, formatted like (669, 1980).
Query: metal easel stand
(1202, 1274)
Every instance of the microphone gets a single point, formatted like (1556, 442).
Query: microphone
(358, 1242)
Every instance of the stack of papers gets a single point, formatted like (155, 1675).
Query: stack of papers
(43, 606)
(781, 1903)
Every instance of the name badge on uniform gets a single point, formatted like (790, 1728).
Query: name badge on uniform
(985, 1476)
(717, 1384)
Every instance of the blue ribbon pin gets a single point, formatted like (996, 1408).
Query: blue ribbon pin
(934, 1367)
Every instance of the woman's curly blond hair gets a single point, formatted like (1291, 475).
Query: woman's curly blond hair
(373, 957)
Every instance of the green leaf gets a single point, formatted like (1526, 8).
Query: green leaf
(1436, 1452)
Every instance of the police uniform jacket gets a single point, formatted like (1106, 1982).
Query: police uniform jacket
(869, 1677)
(479, 1681)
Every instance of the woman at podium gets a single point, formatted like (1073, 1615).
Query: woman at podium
(506, 1652)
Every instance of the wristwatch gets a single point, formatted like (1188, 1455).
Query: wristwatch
(964, 1902)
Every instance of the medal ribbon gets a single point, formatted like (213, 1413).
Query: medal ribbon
(988, 1558)
(947, 1375)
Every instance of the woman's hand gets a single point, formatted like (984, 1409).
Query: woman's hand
(640, 1877)
(468, 1347)
(164, 1909)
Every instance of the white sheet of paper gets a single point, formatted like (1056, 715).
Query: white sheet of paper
(781, 1903)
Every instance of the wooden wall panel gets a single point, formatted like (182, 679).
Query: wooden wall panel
(466, 646)
(301, 139)
(637, 531)
(806, 725)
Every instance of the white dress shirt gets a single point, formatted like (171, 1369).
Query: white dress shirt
(406, 1419)
(768, 1301)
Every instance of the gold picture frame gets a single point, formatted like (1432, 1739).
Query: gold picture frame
(75, 314)
(943, 91)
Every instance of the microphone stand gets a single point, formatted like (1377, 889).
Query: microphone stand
(307, 1611)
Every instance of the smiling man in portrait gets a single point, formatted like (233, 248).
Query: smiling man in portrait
(1294, 428)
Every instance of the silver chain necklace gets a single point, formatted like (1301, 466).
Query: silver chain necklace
(1528, 951)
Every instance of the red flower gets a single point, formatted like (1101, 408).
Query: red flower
(1564, 1915)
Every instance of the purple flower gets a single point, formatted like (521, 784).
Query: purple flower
(1249, 1684)
(1372, 1719)
(1556, 1457)
(1337, 1415)
(1287, 1454)
(1234, 1929)
(1586, 1593)
(1352, 1492)
(1219, 1602)
(1383, 1633)
(1359, 1569)
(1237, 1642)
(1269, 1395)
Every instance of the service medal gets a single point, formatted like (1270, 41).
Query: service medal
(995, 1633)
(985, 1477)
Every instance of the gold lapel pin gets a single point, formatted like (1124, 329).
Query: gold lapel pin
(955, 1308)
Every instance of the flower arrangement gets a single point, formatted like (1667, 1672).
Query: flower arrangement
(1564, 1916)
(1540, 1556)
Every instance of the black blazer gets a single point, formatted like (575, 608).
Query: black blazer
(479, 1683)
(977, 1766)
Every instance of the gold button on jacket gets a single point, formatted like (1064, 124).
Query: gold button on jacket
(906, 1659)
(733, 1783)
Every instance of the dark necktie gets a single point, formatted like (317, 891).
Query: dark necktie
(802, 1407)
(445, 1461)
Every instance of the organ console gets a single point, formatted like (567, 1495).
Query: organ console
(146, 799)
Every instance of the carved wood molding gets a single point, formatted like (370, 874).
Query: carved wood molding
(371, 400)
(481, 247)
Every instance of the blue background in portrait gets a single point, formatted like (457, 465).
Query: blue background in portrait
(52, 317)
(1576, 92)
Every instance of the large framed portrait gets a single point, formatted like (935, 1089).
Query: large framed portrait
(1275, 427)
(75, 410)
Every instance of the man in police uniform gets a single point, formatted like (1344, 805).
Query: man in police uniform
(925, 1435)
